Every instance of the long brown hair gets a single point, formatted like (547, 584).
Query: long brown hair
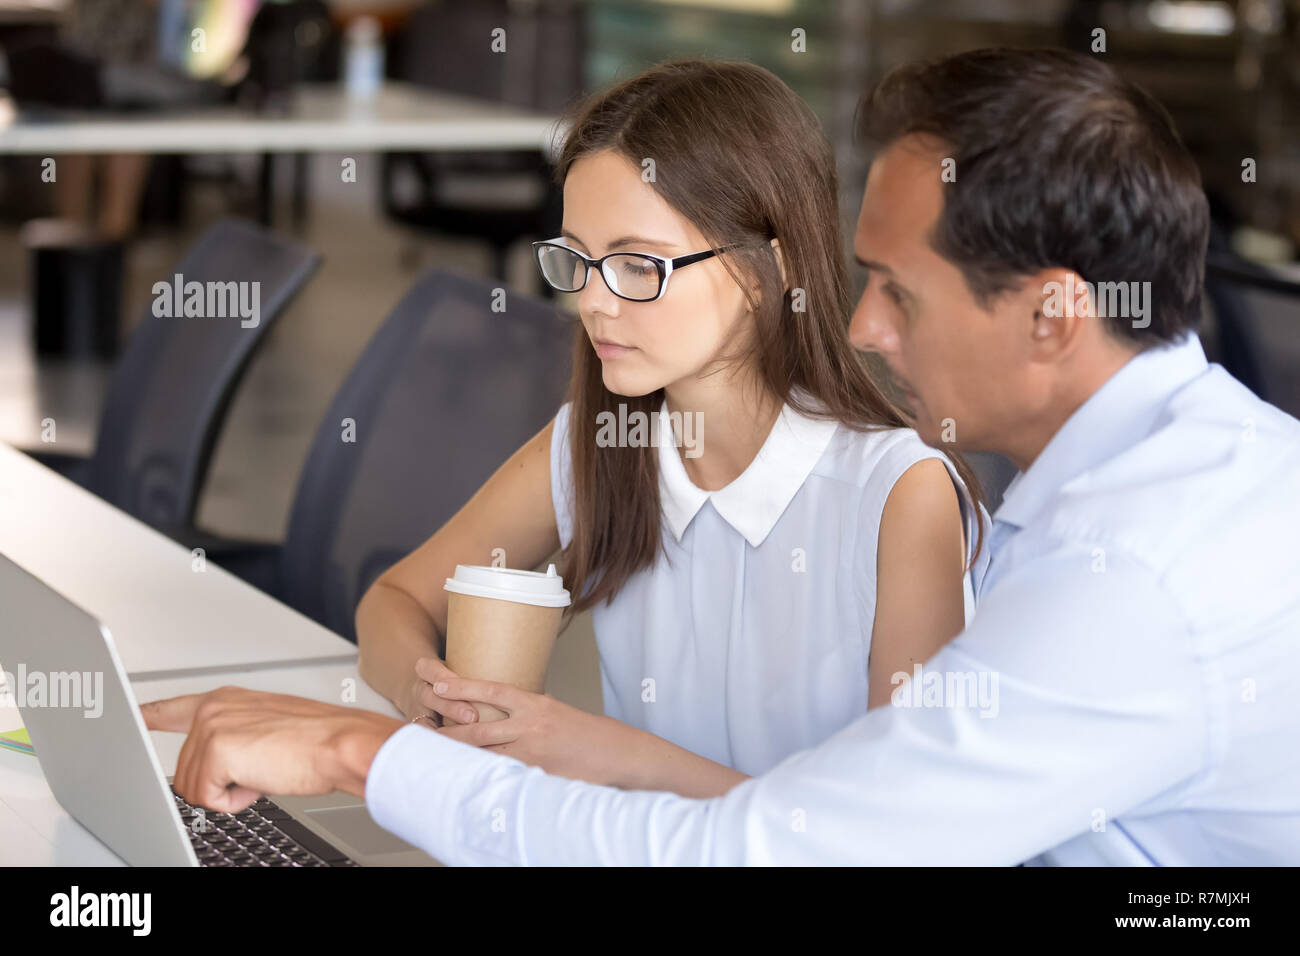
(744, 159)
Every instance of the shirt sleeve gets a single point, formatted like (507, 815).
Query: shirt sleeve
(1083, 698)
(562, 475)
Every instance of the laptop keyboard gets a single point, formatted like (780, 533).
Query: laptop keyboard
(262, 835)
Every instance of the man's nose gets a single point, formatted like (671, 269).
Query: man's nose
(871, 329)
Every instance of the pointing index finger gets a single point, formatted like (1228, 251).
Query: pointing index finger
(174, 713)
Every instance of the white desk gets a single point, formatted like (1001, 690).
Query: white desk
(36, 831)
(321, 119)
(166, 619)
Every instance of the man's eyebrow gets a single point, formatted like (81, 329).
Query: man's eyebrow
(872, 265)
(626, 241)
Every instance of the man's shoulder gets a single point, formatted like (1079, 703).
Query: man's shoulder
(1215, 453)
(1210, 495)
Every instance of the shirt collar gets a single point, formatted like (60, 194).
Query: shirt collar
(1113, 418)
(757, 498)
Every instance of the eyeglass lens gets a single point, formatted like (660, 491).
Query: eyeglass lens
(626, 274)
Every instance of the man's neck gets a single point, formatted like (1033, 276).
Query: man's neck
(1031, 437)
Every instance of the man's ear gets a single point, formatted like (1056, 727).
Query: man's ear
(1063, 307)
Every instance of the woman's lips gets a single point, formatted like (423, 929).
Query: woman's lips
(611, 350)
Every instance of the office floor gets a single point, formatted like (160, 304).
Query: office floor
(368, 265)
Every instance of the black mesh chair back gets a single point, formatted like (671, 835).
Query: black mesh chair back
(1256, 315)
(994, 472)
(444, 393)
(177, 374)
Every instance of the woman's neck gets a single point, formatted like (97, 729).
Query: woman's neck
(732, 421)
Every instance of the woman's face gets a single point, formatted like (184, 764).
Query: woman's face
(644, 346)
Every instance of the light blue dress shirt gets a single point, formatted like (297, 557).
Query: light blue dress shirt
(1139, 626)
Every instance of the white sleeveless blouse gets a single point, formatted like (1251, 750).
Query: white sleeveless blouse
(750, 641)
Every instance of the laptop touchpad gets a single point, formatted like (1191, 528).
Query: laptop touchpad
(353, 826)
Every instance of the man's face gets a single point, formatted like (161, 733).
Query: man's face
(965, 371)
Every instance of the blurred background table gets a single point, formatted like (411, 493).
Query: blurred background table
(320, 118)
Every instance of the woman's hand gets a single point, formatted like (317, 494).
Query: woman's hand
(422, 699)
(542, 731)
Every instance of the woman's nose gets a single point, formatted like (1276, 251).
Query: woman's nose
(595, 297)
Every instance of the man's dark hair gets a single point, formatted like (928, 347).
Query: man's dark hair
(1059, 162)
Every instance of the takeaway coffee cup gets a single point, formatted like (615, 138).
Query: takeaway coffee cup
(501, 626)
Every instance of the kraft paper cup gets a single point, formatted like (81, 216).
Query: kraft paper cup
(501, 626)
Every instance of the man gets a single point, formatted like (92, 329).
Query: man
(1035, 234)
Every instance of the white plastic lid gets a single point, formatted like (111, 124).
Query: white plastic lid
(507, 584)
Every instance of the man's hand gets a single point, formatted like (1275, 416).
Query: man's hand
(243, 744)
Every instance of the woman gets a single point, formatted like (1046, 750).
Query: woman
(759, 578)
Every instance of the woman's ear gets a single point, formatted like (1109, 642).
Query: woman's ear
(780, 261)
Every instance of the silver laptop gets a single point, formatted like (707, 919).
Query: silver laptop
(101, 765)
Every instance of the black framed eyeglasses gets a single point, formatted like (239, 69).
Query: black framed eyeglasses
(635, 276)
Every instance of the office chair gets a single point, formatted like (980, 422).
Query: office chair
(994, 472)
(289, 42)
(171, 388)
(443, 394)
(499, 197)
(1256, 315)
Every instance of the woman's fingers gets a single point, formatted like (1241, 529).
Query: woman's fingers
(430, 670)
(504, 697)
(483, 734)
(457, 710)
(443, 693)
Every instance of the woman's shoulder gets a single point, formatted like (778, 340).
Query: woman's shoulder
(878, 458)
(866, 457)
